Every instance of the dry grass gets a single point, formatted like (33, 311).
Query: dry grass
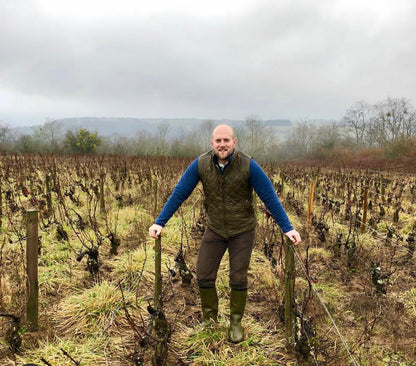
(84, 315)
(94, 311)
(87, 351)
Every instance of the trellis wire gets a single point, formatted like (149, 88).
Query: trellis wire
(324, 306)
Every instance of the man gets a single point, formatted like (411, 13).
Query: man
(228, 177)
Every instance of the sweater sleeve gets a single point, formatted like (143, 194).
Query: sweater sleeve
(265, 190)
(181, 192)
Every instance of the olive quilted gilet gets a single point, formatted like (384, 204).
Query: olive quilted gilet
(228, 196)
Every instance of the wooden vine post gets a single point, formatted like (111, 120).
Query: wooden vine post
(383, 189)
(310, 205)
(49, 194)
(289, 297)
(161, 327)
(32, 241)
(365, 208)
(158, 260)
(102, 202)
(158, 263)
(1, 201)
(1, 194)
(158, 273)
(54, 175)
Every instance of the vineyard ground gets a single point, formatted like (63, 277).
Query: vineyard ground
(102, 317)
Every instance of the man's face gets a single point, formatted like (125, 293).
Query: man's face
(223, 143)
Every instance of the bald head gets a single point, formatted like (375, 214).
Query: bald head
(223, 142)
(223, 129)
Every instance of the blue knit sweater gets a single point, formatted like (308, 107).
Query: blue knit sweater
(258, 179)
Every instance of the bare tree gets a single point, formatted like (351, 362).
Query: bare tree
(359, 122)
(49, 136)
(199, 136)
(143, 144)
(162, 138)
(327, 136)
(5, 134)
(205, 131)
(381, 123)
(271, 145)
(301, 139)
(409, 124)
(395, 119)
(255, 137)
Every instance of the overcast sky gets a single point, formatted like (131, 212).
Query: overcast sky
(295, 59)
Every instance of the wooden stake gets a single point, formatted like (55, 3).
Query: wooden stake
(48, 194)
(102, 202)
(310, 206)
(289, 298)
(365, 207)
(383, 189)
(158, 274)
(1, 204)
(32, 242)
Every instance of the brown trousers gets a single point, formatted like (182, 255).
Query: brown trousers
(213, 247)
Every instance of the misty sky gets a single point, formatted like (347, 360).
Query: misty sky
(294, 59)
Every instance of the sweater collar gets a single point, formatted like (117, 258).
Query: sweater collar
(222, 168)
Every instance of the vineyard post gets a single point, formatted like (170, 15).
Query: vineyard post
(348, 192)
(54, 173)
(158, 262)
(48, 193)
(161, 327)
(158, 275)
(383, 189)
(124, 175)
(1, 202)
(310, 206)
(32, 306)
(289, 297)
(365, 207)
(102, 202)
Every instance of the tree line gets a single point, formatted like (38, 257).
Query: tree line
(388, 127)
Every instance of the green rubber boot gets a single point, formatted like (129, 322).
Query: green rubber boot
(209, 305)
(237, 306)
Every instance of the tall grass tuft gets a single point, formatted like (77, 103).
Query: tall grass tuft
(96, 310)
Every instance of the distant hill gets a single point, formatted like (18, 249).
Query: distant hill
(129, 127)
(279, 122)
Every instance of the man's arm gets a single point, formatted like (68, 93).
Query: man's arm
(181, 192)
(265, 190)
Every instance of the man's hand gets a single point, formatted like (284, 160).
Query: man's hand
(294, 236)
(155, 230)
